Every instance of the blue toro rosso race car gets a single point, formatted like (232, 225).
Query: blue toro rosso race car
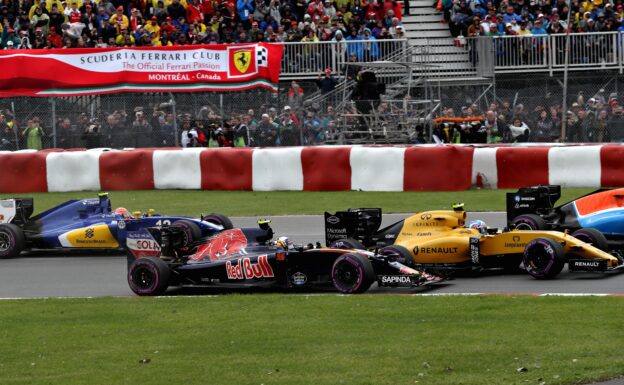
(162, 257)
(87, 224)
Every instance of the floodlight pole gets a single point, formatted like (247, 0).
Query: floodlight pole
(564, 121)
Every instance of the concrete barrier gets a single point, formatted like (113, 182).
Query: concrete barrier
(323, 168)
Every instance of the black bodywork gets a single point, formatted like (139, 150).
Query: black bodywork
(247, 257)
(541, 200)
(361, 224)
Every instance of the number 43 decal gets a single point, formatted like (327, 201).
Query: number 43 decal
(161, 222)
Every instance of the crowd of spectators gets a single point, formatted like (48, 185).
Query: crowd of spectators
(599, 118)
(531, 17)
(41, 24)
(157, 126)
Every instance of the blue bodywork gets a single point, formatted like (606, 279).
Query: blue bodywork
(44, 230)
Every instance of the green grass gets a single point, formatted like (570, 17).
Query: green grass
(246, 203)
(281, 339)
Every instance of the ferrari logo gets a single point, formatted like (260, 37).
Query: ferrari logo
(242, 60)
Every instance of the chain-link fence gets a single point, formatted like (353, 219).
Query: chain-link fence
(592, 113)
(125, 120)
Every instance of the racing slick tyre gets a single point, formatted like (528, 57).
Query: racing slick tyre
(398, 253)
(12, 240)
(148, 276)
(190, 229)
(529, 222)
(347, 244)
(543, 258)
(219, 219)
(593, 236)
(352, 274)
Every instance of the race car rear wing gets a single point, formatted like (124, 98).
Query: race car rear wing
(16, 210)
(532, 200)
(353, 223)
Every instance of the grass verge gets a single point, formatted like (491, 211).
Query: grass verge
(247, 203)
(281, 339)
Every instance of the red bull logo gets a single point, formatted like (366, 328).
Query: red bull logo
(245, 269)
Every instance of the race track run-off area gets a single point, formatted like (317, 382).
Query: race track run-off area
(44, 274)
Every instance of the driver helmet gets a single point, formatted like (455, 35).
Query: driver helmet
(122, 211)
(477, 225)
(284, 243)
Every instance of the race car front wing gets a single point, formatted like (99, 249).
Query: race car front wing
(593, 266)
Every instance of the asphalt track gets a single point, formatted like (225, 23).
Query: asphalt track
(62, 275)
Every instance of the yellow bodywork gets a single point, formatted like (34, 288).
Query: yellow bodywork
(439, 237)
(91, 237)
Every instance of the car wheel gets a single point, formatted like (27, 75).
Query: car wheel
(543, 258)
(352, 273)
(593, 236)
(347, 244)
(219, 219)
(398, 253)
(148, 276)
(529, 222)
(190, 229)
(12, 240)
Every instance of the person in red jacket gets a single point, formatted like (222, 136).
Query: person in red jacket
(55, 38)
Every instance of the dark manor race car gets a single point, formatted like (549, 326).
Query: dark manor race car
(161, 257)
(86, 224)
(533, 208)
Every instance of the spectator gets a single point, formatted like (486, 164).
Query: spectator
(241, 132)
(615, 125)
(142, 130)
(288, 128)
(267, 131)
(92, 135)
(295, 95)
(34, 134)
(326, 82)
(188, 136)
(518, 131)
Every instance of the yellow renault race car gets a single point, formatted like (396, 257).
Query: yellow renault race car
(440, 240)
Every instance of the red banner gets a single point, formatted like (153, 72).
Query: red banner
(69, 72)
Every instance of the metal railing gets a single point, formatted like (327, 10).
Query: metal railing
(484, 56)
(305, 60)
(546, 53)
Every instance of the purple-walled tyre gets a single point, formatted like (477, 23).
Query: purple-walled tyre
(219, 219)
(191, 231)
(593, 236)
(12, 240)
(148, 276)
(529, 222)
(352, 274)
(398, 253)
(543, 258)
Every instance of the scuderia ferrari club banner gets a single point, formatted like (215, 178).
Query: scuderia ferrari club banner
(69, 72)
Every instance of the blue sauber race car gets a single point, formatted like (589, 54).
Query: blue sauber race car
(87, 224)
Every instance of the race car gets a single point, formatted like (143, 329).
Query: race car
(86, 224)
(533, 208)
(440, 240)
(160, 257)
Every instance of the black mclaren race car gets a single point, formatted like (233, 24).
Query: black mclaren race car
(160, 257)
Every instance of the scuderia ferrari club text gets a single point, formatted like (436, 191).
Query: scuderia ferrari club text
(245, 269)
